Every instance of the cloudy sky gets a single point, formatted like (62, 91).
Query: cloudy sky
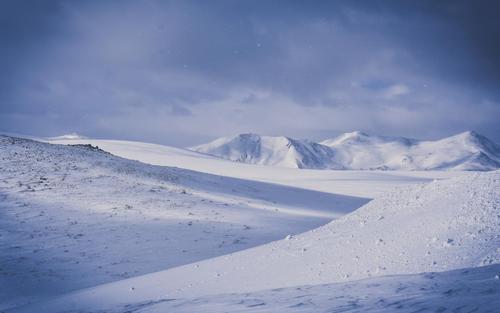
(184, 72)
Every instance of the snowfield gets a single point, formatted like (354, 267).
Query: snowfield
(74, 217)
(367, 184)
(83, 230)
(469, 290)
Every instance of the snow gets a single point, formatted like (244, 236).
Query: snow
(469, 290)
(267, 150)
(83, 230)
(465, 151)
(74, 217)
(68, 136)
(439, 226)
(367, 184)
(361, 151)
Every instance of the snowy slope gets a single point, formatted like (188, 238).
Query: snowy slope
(464, 290)
(439, 226)
(76, 216)
(360, 151)
(367, 184)
(465, 151)
(267, 150)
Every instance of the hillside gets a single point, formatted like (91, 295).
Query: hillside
(77, 216)
(435, 227)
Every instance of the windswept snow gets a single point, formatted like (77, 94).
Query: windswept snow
(439, 226)
(76, 216)
(150, 238)
(464, 290)
(368, 184)
(360, 151)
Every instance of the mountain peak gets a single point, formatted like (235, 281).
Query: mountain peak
(353, 135)
(467, 134)
(270, 150)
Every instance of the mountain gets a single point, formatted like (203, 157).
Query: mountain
(360, 151)
(465, 151)
(267, 150)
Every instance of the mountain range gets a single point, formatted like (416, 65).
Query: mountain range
(360, 151)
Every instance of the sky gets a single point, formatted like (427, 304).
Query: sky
(185, 72)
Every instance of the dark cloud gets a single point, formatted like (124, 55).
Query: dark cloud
(181, 72)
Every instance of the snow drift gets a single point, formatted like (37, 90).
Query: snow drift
(439, 226)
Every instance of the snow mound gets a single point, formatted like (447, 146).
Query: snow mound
(439, 226)
(267, 150)
(360, 151)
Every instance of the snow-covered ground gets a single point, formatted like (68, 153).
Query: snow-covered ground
(367, 184)
(441, 226)
(76, 217)
(465, 290)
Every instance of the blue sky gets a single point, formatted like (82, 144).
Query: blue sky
(184, 72)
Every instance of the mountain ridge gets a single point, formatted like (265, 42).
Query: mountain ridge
(269, 150)
(359, 151)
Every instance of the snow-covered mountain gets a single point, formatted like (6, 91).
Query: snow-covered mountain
(268, 150)
(465, 151)
(360, 151)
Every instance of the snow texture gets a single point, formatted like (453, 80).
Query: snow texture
(440, 226)
(83, 230)
(76, 216)
(466, 290)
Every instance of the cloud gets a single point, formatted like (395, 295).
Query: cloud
(396, 90)
(181, 72)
